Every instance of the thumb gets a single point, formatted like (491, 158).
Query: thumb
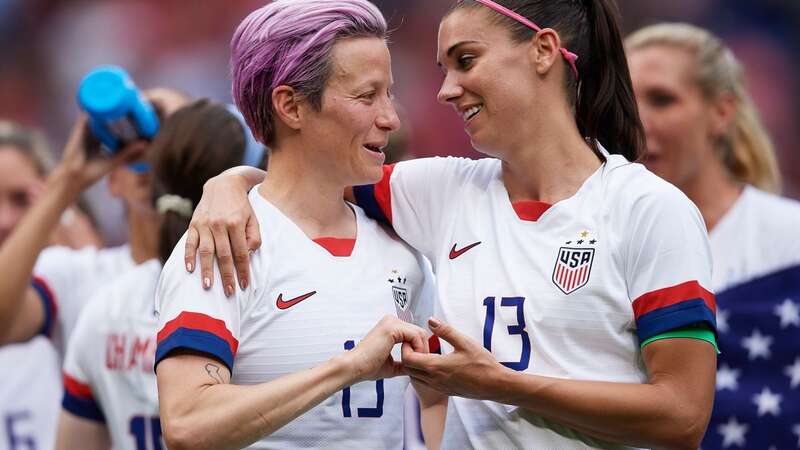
(446, 332)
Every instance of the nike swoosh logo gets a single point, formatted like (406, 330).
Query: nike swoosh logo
(456, 253)
(289, 303)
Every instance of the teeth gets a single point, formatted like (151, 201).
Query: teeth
(470, 113)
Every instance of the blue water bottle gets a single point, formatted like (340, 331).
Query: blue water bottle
(118, 112)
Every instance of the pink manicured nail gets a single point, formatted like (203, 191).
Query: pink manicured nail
(207, 282)
(189, 267)
(433, 322)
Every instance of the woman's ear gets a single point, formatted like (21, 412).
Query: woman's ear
(722, 111)
(544, 51)
(286, 105)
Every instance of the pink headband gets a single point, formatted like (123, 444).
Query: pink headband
(568, 55)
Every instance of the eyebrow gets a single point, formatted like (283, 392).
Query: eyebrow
(453, 48)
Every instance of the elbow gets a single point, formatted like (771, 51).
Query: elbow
(686, 431)
(180, 434)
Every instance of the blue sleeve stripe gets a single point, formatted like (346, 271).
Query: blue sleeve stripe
(196, 340)
(48, 304)
(676, 316)
(365, 198)
(82, 407)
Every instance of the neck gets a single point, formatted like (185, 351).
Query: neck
(550, 163)
(714, 193)
(305, 190)
(143, 236)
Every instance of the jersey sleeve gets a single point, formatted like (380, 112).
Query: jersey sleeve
(81, 360)
(192, 318)
(54, 280)
(414, 197)
(668, 265)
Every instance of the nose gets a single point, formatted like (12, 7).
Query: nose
(450, 89)
(388, 119)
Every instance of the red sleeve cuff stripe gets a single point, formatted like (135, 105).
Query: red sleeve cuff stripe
(383, 192)
(76, 388)
(662, 298)
(202, 322)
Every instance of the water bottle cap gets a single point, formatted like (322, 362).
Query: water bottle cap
(106, 91)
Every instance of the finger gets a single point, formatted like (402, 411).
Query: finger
(241, 255)
(205, 249)
(448, 333)
(190, 251)
(418, 360)
(411, 334)
(252, 232)
(222, 247)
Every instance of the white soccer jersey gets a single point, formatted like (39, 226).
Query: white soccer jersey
(757, 279)
(757, 236)
(29, 395)
(568, 290)
(108, 368)
(66, 279)
(304, 306)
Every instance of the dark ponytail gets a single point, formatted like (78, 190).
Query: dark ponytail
(195, 143)
(605, 108)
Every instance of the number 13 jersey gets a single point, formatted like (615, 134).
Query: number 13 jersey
(568, 290)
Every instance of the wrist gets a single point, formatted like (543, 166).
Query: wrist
(63, 185)
(344, 369)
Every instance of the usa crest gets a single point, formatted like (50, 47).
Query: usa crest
(401, 297)
(574, 264)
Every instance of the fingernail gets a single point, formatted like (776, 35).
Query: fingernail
(206, 282)
(243, 283)
(228, 290)
(433, 322)
(189, 267)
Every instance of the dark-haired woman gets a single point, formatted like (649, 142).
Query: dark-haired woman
(573, 283)
(110, 396)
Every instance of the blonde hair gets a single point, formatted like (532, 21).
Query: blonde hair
(748, 153)
(30, 142)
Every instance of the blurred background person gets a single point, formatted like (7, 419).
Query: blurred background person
(705, 136)
(31, 384)
(110, 397)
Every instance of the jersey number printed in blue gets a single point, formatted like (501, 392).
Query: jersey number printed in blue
(139, 429)
(377, 411)
(519, 328)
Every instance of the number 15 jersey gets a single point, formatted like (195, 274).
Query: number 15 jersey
(303, 306)
(568, 290)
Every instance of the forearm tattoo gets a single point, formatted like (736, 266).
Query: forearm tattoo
(213, 372)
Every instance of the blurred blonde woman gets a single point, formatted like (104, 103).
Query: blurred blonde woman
(704, 135)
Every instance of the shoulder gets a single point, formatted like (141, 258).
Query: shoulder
(130, 294)
(632, 191)
(776, 214)
(438, 170)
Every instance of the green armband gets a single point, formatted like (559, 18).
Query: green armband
(700, 331)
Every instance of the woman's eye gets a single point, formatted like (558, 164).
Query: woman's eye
(367, 95)
(661, 99)
(465, 61)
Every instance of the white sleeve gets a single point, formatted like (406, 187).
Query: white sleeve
(57, 276)
(83, 353)
(416, 197)
(422, 306)
(193, 318)
(668, 264)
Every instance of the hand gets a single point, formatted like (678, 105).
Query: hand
(372, 358)
(469, 371)
(223, 222)
(79, 170)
